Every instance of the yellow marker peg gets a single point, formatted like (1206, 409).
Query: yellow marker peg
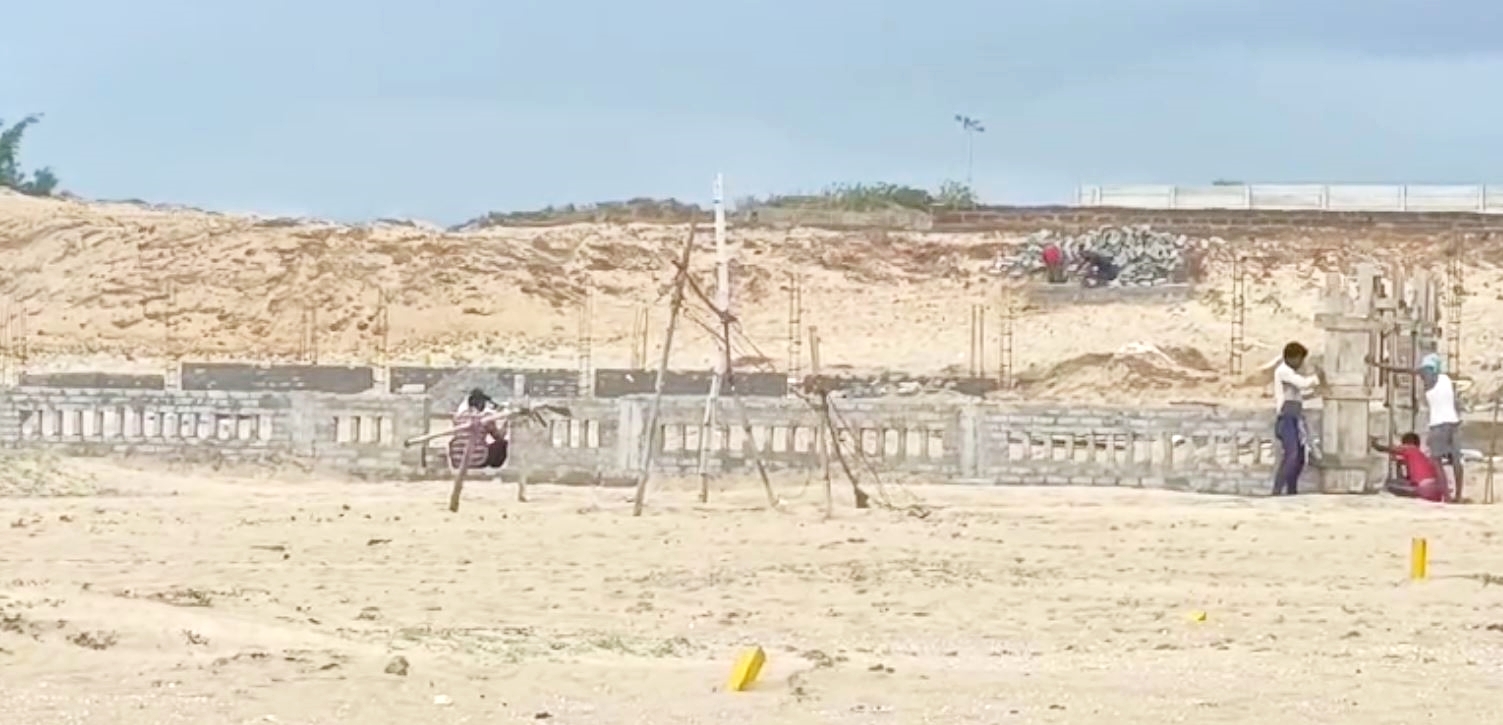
(748, 666)
(1419, 559)
(1197, 616)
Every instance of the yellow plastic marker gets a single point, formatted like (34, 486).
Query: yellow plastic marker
(1197, 616)
(748, 666)
(1419, 559)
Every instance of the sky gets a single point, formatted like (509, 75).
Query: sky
(446, 109)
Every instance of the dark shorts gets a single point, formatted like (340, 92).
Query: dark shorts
(1441, 440)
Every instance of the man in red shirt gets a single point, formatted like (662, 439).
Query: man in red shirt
(1054, 264)
(1419, 478)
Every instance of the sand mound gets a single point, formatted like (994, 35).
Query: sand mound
(1135, 367)
(123, 286)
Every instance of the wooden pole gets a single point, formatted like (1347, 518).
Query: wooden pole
(861, 497)
(650, 447)
(822, 431)
(706, 425)
(489, 418)
(464, 466)
(729, 384)
(1492, 451)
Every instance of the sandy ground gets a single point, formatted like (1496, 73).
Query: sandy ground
(125, 286)
(159, 597)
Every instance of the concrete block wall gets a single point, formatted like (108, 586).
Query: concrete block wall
(1187, 448)
(361, 435)
(247, 377)
(899, 434)
(205, 426)
(1072, 293)
(1190, 448)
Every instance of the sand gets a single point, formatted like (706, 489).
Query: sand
(183, 598)
(124, 286)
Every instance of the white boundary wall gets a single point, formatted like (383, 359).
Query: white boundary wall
(1477, 198)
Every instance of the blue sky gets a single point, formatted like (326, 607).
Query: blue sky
(448, 108)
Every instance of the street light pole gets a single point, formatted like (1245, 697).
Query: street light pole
(971, 127)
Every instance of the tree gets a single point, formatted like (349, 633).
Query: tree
(41, 182)
(955, 195)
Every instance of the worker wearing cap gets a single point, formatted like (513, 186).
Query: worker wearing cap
(1443, 436)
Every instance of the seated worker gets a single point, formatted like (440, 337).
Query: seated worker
(1100, 270)
(485, 440)
(1417, 474)
(1054, 264)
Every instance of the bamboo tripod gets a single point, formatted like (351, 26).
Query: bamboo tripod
(682, 282)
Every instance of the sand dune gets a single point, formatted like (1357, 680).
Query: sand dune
(96, 278)
(189, 599)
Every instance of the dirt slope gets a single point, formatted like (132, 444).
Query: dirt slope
(102, 281)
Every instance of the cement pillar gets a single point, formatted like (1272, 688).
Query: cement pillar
(969, 433)
(631, 432)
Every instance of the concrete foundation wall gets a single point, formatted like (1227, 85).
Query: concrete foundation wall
(1074, 294)
(1188, 448)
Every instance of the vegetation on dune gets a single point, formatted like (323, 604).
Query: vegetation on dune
(854, 197)
(639, 209)
(872, 197)
(41, 182)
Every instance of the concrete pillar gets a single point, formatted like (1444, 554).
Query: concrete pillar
(631, 433)
(970, 439)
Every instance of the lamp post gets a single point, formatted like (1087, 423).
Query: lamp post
(971, 126)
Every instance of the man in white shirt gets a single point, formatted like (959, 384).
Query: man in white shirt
(1442, 438)
(1289, 390)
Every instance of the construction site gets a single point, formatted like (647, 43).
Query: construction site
(227, 454)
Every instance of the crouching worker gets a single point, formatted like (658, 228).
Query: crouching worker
(1417, 476)
(485, 440)
(1100, 270)
(1054, 264)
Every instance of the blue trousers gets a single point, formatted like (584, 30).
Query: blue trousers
(1289, 429)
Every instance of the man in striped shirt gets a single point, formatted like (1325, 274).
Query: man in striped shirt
(484, 441)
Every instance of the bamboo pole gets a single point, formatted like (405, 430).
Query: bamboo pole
(707, 424)
(822, 432)
(483, 420)
(729, 383)
(464, 466)
(650, 447)
(1492, 451)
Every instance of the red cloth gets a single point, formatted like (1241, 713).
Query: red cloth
(1432, 490)
(1420, 469)
(1052, 256)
